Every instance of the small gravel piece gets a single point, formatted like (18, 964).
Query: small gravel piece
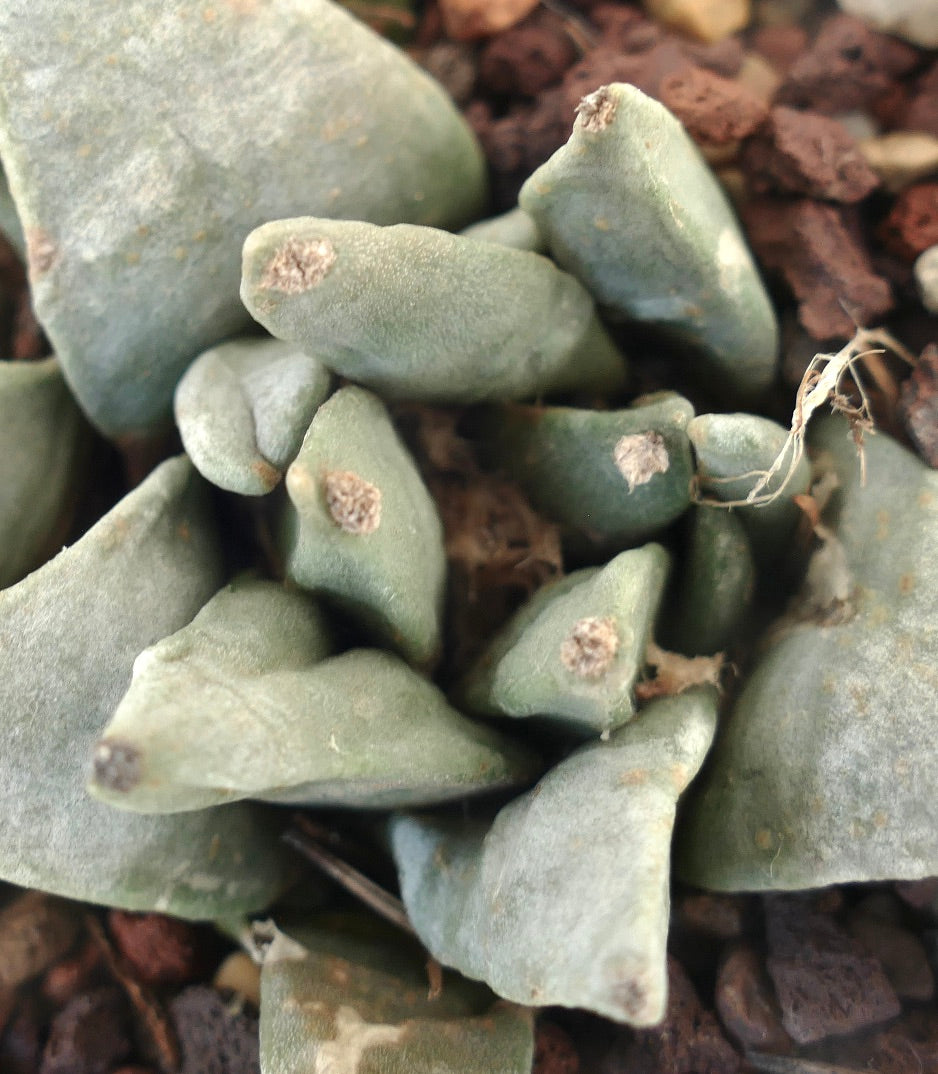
(213, 1038)
(807, 153)
(810, 244)
(161, 950)
(826, 982)
(848, 66)
(746, 1003)
(713, 109)
(912, 225)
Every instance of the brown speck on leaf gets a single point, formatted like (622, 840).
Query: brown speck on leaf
(639, 456)
(41, 252)
(590, 647)
(597, 110)
(354, 503)
(299, 265)
(116, 765)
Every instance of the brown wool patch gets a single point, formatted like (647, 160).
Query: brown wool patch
(597, 110)
(353, 502)
(590, 647)
(299, 265)
(639, 456)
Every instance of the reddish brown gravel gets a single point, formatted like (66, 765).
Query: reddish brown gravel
(807, 153)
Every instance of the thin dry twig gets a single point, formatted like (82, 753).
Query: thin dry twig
(355, 882)
(362, 887)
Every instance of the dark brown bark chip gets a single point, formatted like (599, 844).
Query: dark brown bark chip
(554, 1051)
(826, 982)
(809, 244)
(90, 1035)
(159, 950)
(848, 67)
(714, 110)
(807, 153)
(912, 225)
(213, 1038)
(918, 407)
(688, 1041)
(746, 1003)
(527, 58)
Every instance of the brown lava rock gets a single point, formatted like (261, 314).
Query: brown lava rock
(807, 153)
(810, 245)
(746, 1002)
(826, 983)
(159, 950)
(527, 58)
(918, 406)
(713, 109)
(848, 67)
(90, 1035)
(213, 1039)
(912, 225)
(605, 64)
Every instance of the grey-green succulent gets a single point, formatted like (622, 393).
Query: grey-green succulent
(631, 209)
(575, 650)
(44, 445)
(331, 997)
(563, 898)
(819, 775)
(175, 133)
(315, 282)
(243, 409)
(69, 634)
(361, 527)
(158, 701)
